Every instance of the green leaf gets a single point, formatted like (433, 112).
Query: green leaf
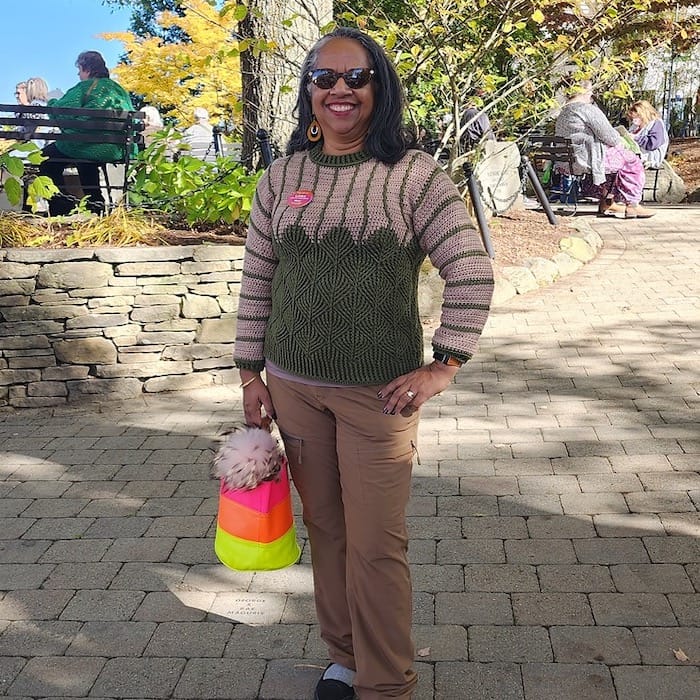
(538, 16)
(13, 190)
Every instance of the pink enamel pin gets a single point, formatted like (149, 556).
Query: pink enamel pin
(300, 198)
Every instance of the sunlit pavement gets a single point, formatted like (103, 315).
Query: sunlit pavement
(555, 534)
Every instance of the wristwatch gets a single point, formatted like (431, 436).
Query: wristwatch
(446, 359)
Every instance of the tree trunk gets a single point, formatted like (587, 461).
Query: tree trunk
(270, 78)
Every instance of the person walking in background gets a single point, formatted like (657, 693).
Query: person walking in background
(599, 150)
(475, 124)
(94, 91)
(649, 132)
(328, 308)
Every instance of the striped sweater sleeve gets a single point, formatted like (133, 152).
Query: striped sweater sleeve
(445, 233)
(259, 264)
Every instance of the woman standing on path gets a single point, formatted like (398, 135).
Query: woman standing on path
(328, 307)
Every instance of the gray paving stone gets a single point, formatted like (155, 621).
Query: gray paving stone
(291, 679)
(111, 638)
(656, 682)
(433, 578)
(631, 609)
(55, 508)
(551, 609)
(680, 524)
(686, 607)
(235, 679)
(491, 681)
(16, 551)
(148, 576)
(37, 637)
(509, 644)
(494, 528)
(147, 549)
(627, 524)
(657, 645)
(673, 549)
(500, 577)
(139, 678)
(102, 605)
(587, 645)
(14, 576)
(88, 550)
(609, 551)
(539, 552)
(557, 484)
(33, 604)
(434, 528)
(574, 578)
(659, 502)
(82, 575)
(559, 527)
(473, 608)
(422, 552)
(58, 528)
(160, 606)
(613, 483)
(61, 676)
(446, 642)
(275, 642)
(530, 504)
(10, 666)
(651, 578)
(556, 681)
(115, 528)
(176, 526)
(470, 551)
(467, 505)
(593, 503)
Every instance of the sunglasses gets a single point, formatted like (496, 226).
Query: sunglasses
(326, 78)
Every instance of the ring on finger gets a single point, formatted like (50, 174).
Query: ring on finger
(410, 394)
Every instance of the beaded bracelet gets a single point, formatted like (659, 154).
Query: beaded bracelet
(248, 383)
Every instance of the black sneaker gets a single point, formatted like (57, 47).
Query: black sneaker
(330, 689)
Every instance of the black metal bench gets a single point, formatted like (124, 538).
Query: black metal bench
(541, 149)
(103, 126)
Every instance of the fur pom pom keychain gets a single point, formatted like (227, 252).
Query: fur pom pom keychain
(248, 456)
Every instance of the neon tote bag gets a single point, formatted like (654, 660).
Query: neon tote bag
(255, 527)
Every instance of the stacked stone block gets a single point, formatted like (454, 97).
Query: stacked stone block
(115, 321)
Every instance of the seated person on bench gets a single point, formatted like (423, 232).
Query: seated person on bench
(648, 130)
(94, 91)
(599, 150)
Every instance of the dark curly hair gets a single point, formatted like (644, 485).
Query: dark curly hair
(387, 138)
(93, 63)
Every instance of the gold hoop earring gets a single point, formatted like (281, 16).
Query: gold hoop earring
(313, 133)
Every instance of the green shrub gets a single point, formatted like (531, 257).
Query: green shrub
(188, 190)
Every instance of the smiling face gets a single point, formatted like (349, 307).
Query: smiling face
(343, 113)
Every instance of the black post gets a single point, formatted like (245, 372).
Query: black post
(539, 190)
(218, 141)
(265, 150)
(475, 196)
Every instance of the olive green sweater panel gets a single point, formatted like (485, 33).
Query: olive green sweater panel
(329, 288)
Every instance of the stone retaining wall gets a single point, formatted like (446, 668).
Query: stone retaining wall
(117, 321)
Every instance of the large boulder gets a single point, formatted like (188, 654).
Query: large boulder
(664, 185)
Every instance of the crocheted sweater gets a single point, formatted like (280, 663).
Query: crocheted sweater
(333, 255)
(93, 93)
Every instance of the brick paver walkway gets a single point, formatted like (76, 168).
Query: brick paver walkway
(554, 522)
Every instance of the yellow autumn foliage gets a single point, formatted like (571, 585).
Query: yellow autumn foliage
(176, 78)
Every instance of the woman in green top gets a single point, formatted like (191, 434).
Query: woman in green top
(94, 91)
